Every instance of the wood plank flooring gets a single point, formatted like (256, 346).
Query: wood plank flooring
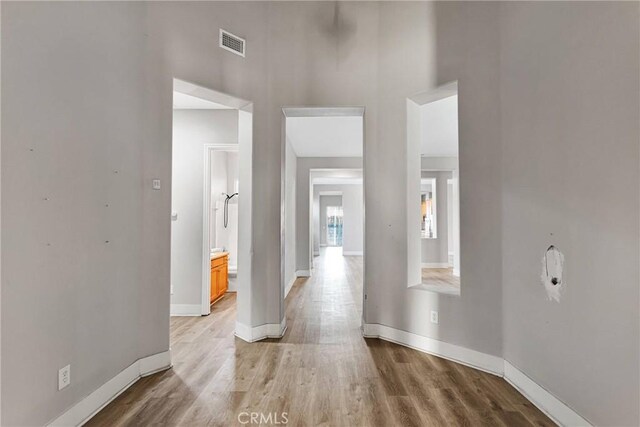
(441, 280)
(322, 372)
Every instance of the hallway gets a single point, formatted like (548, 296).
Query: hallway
(322, 372)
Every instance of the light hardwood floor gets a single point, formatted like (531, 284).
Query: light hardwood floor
(441, 280)
(321, 373)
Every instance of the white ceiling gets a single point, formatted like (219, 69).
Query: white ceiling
(182, 101)
(325, 136)
(440, 128)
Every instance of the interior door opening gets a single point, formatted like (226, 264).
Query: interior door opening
(322, 230)
(210, 202)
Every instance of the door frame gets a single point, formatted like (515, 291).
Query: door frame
(293, 111)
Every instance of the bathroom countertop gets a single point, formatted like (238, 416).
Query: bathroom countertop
(216, 255)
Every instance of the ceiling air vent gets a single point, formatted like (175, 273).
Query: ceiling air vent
(232, 43)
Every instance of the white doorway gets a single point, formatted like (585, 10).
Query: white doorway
(221, 182)
(322, 154)
(212, 136)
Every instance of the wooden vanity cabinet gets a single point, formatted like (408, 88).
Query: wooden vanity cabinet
(219, 276)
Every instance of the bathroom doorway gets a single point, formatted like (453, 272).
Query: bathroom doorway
(210, 201)
(223, 181)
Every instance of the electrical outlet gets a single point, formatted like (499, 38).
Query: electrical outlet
(64, 377)
(171, 289)
(434, 317)
(156, 184)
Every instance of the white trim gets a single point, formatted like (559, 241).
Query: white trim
(456, 272)
(303, 273)
(185, 310)
(291, 111)
(436, 94)
(352, 253)
(289, 285)
(155, 363)
(435, 265)
(90, 405)
(482, 361)
(257, 333)
(555, 409)
(205, 93)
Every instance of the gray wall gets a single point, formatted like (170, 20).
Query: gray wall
(315, 219)
(570, 116)
(353, 232)
(437, 250)
(76, 109)
(465, 48)
(102, 316)
(192, 129)
(290, 215)
(147, 44)
(325, 201)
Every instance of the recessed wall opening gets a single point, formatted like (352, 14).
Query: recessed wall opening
(210, 202)
(433, 191)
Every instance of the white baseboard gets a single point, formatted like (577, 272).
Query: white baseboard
(155, 363)
(289, 285)
(303, 273)
(555, 409)
(475, 359)
(268, 330)
(90, 405)
(436, 265)
(351, 253)
(185, 310)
